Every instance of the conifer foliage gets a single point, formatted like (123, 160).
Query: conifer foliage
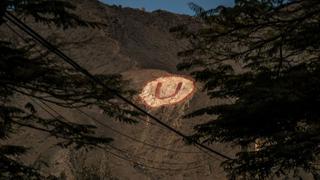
(263, 57)
(33, 75)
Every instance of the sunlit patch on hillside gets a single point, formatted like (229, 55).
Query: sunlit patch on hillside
(167, 90)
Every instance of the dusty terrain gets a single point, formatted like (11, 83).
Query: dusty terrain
(138, 45)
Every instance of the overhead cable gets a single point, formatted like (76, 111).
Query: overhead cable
(9, 16)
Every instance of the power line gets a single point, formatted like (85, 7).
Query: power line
(26, 41)
(147, 166)
(152, 161)
(16, 32)
(133, 139)
(94, 79)
(127, 136)
(120, 150)
(114, 154)
(160, 162)
(116, 131)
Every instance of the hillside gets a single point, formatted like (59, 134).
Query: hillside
(139, 46)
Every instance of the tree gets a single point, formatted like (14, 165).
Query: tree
(262, 56)
(24, 71)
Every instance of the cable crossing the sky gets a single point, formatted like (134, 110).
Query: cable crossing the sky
(104, 125)
(117, 131)
(124, 152)
(21, 25)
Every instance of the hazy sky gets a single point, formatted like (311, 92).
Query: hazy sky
(177, 6)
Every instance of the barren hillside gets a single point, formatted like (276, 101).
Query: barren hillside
(138, 45)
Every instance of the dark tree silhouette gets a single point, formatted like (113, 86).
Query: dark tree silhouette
(263, 56)
(26, 72)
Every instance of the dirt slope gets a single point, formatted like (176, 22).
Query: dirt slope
(138, 45)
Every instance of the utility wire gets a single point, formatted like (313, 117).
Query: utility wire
(86, 114)
(117, 131)
(94, 79)
(120, 150)
(16, 32)
(133, 139)
(153, 146)
(26, 41)
(125, 151)
(147, 166)
(159, 162)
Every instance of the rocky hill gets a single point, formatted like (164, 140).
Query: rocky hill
(138, 45)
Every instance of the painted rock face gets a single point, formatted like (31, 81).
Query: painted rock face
(167, 90)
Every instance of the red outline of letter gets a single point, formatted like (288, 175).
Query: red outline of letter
(159, 85)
